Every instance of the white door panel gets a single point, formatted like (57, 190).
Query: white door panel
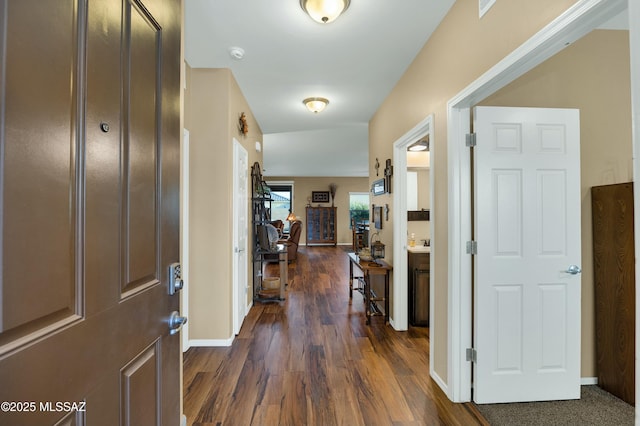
(240, 233)
(527, 307)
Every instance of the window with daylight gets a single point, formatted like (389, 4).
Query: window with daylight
(359, 207)
(282, 196)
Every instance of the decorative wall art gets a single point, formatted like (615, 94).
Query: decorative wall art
(378, 187)
(242, 124)
(319, 196)
(388, 172)
(377, 216)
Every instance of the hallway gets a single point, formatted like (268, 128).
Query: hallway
(312, 360)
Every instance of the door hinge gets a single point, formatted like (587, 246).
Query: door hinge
(470, 139)
(472, 247)
(472, 355)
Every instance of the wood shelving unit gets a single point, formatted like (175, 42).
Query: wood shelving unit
(321, 226)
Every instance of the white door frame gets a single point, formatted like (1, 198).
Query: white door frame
(400, 319)
(239, 294)
(184, 236)
(634, 48)
(578, 20)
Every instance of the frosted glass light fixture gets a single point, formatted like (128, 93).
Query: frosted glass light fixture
(324, 11)
(316, 105)
(421, 145)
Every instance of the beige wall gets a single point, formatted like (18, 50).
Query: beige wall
(213, 103)
(461, 49)
(302, 188)
(593, 76)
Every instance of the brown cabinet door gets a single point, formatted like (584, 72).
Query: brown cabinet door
(89, 153)
(614, 288)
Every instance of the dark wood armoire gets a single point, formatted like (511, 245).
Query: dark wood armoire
(614, 282)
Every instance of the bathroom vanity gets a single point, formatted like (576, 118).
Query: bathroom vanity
(418, 268)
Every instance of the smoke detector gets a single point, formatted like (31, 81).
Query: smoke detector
(236, 53)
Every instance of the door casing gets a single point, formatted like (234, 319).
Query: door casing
(400, 319)
(184, 237)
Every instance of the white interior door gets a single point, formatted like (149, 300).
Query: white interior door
(240, 233)
(527, 226)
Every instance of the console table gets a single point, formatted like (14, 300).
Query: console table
(363, 285)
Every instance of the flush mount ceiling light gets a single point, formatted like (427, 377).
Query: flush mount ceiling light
(316, 105)
(324, 11)
(421, 145)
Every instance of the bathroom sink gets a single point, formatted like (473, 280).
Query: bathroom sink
(419, 249)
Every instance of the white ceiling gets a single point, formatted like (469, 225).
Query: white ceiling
(354, 62)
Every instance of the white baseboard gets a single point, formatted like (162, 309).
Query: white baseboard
(436, 378)
(183, 420)
(211, 342)
(585, 381)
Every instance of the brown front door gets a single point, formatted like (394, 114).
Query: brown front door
(89, 155)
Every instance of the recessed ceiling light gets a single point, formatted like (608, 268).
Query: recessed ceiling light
(236, 53)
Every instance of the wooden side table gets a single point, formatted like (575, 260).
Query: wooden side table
(363, 285)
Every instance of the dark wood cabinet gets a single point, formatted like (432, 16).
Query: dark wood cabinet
(321, 226)
(614, 282)
(419, 268)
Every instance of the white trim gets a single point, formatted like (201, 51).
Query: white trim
(459, 266)
(577, 21)
(588, 381)
(434, 246)
(634, 49)
(400, 320)
(436, 378)
(211, 343)
(484, 8)
(184, 237)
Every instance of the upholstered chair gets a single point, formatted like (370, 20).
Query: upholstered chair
(291, 242)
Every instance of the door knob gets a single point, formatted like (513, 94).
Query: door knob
(573, 270)
(176, 322)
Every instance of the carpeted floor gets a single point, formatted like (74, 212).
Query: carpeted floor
(595, 407)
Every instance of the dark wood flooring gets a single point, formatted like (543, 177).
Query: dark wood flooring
(311, 360)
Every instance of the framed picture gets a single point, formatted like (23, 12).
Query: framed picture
(378, 187)
(319, 196)
(377, 216)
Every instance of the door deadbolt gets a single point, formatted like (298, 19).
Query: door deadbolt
(175, 278)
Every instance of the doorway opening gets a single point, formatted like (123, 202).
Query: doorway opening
(400, 308)
(579, 20)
